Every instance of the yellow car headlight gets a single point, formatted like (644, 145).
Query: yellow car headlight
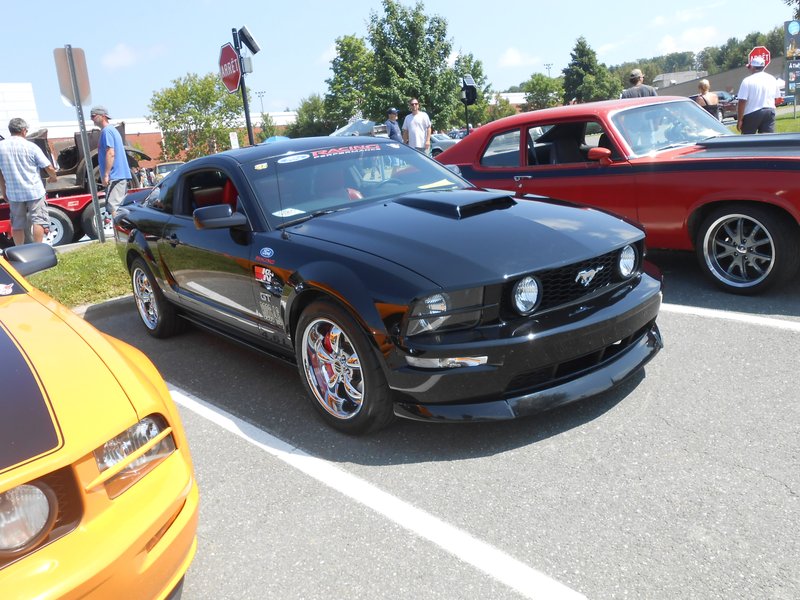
(128, 457)
(27, 513)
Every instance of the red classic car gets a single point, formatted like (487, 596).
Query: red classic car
(665, 163)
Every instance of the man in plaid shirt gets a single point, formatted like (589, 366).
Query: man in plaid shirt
(21, 185)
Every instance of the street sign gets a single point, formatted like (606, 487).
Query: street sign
(84, 92)
(229, 69)
(759, 51)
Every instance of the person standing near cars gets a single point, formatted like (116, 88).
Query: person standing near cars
(21, 184)
(757, 99)
(638, 89)
(708, 100)
(417, 128)
(112, 160)
(392, 128)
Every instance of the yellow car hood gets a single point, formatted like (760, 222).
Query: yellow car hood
(58, 391)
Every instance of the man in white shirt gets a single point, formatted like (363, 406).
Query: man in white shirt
(417, 128)
(757, 99)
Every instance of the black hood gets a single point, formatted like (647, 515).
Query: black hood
(767, 145)
(467, 237)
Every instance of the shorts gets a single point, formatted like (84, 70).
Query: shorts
(27, 213)
(115, 194)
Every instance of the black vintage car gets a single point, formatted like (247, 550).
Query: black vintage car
(397, 287)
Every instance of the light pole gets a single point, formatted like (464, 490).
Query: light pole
(547, 66)
(261, 97)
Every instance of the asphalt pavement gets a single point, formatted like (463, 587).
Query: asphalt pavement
(683, 483)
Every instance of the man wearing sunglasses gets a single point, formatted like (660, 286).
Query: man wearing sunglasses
(417, 128)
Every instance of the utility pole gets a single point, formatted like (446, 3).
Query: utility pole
(547, 66)
(261, 97)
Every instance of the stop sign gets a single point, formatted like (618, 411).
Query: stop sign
(759, 51)
(229, 68)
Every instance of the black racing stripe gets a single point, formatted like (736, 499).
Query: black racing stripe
(26, 427)
(700, 164)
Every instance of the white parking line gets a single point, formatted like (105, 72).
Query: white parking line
(713, 313)
(495, 563)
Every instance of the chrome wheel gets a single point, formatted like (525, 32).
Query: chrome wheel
(146, 300)
(332, 369)
(739, 250)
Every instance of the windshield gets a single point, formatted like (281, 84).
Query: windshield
(298, 185)
(657, 127)
(166, 168)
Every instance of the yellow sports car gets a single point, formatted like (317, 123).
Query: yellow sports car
(97, 493)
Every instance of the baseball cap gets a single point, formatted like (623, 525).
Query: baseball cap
(757, 62)
(635, 74)
(99, 110)
(391, 111)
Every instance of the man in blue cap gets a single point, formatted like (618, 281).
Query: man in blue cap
(392, 128)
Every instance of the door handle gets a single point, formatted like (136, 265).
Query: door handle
(521, 177)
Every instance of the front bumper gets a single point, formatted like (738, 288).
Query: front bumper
(138, 545)
(561, 359)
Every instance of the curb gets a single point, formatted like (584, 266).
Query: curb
(105, 308)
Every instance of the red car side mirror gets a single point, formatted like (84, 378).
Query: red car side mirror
(603, 155)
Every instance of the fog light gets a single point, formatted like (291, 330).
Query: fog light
(627, 261)
(526, 295)
(446, 363)
(27, 513)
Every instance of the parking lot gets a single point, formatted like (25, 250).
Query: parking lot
(683, 483)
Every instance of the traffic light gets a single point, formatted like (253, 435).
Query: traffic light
(469, 92)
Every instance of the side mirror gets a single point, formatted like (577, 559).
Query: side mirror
(31, 258)
(219, 216)
(602, 155)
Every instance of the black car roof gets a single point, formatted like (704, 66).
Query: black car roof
(278, 148)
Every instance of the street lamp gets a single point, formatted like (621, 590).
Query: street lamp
(547, 66)
(261, 97)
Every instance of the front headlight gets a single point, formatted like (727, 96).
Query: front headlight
(626, 264)
(128, 457)
(27, 513)
(446, 310)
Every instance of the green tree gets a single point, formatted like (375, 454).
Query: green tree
(311, 119)
(795, 6)
(268, 128)
(585, 79)
(542, 91)
(195, 115)
(351, 82)
(500, 108)
(410, 53)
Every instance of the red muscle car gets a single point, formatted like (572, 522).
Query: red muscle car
(665, 163)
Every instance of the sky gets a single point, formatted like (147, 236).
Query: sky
(134, 49)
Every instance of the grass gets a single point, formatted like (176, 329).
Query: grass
(90, 273)
(786, 123)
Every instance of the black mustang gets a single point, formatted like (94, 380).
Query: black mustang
(396, 286)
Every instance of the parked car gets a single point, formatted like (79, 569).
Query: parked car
(397, 287)
(163, 169)
(728, 105)
(441, 142)
(97, 493)
(665, 163)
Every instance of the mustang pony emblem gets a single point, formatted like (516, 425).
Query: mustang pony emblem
(585, 277)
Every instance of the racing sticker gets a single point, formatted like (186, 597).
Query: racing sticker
(271, 312)
(263, 274)
(346, 150)
(288, 212)
(6, 289)
(266, 252)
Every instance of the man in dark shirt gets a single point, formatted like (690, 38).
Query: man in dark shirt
(392, 128)
(638, 89)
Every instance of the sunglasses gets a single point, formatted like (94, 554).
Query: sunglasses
(413, 103)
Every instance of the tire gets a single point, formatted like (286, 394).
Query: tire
(340, 371)
(88, 224)
(435, 152)
(746, 249)
(157, 313)
(61, 229)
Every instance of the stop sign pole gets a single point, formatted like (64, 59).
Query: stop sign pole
(237, 44)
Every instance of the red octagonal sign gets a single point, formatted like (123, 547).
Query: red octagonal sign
(229, 68)
(759, 51)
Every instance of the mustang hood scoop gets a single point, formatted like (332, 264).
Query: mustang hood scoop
(458, 204)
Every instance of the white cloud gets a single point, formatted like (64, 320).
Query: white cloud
(451, 60)
(120, 57)
(514, 58)
(693, 39)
